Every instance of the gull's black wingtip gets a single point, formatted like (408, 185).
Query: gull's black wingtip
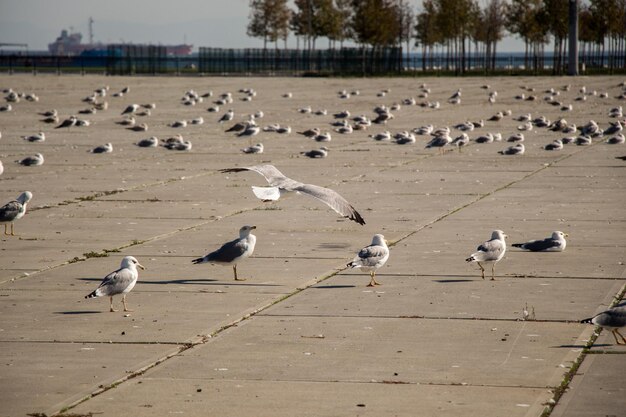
(227, 170)
(357, 218)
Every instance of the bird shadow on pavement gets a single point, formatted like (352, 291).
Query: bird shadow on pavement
(329, 287)
(78, 312)
(200, 281)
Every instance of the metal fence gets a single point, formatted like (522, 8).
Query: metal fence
(152, 60)
(344, 61)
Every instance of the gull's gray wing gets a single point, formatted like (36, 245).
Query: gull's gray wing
(370, 255)
(491, 250)
(271, 174)
(10, 211)
(539, 245)
(229, 251)
(614, 317)
(116, 282)
(333, 200)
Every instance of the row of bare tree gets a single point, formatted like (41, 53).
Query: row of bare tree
(459, 30)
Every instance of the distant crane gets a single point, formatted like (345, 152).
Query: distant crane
(91, 30)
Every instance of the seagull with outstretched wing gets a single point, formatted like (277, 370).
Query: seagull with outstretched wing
(279, 183)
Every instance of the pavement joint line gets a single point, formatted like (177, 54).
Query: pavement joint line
(354, 316)
(571, 373)
(105, 251)
(471, 278)
(92, 342)
(373, 381)
(98, 194)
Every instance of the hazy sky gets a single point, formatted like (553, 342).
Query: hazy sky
(212, 23)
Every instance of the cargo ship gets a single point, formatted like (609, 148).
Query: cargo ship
(71, 44)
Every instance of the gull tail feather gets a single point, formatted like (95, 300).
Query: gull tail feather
(95, 293)
(199, 260)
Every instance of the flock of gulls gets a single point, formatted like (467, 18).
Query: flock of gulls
(343, 122)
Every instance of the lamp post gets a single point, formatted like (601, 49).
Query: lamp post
(573, 38)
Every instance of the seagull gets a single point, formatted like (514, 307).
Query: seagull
(554, 243)
(517, 149)
(129, 121)
(342, 115)
(323, 137)
(490, 251)
(439, 142)
(461, 141)
(151, 142)
(49, 113)
(280, 184)
(182, 145)
(316, 153)
(372, 257)
(617, 139)
(516, 137)
(382, 136)
(489, 138)
(50, 119)
(178, 123)
(34, 160)
(612, 319)
(310, 133)
(305, 110)
(141, 127)
(251, 130)
(117, 282)
(14, 210)
(39, 137)
(258, 148)
(69, 122)
(556, 145)
(232, 252)
(106, 148)
(240, 127)
(132, 108)
(403, 138)
(227, 117)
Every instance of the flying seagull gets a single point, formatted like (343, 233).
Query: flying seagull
(611, 319)
(554, 243)
(372, 257)
(232, 252)
(119, 282)
(279, 184)
(14, 210)
(490, 251)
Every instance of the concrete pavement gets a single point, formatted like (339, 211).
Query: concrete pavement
(302, 335)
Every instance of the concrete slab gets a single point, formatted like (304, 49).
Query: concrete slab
(596, 390)
(366, 349)
(36, 376)
(451, 297)
(195, 397)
